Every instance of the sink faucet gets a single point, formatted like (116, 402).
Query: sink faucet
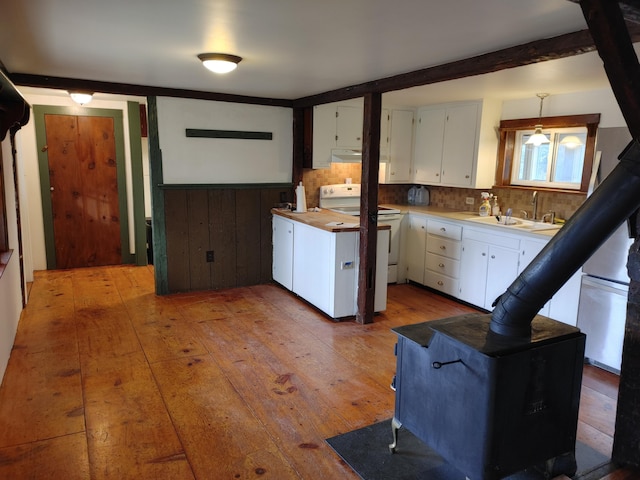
(534, 202)
(551, 215)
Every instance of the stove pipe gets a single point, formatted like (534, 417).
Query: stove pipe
(613, 202)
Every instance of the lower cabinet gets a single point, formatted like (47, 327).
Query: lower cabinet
(477, 265)
(322, 266)
(442, 263)
(490, 264)
(415, 247)
(282, 265)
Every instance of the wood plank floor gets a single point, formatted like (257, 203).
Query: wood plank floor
(108, 381)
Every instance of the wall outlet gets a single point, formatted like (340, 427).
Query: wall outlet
(470, 200)
(209, 255)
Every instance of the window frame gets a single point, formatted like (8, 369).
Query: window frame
(507, 145)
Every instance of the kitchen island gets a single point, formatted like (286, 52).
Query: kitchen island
(316, 256)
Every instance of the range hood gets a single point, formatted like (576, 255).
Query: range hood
(348, 155)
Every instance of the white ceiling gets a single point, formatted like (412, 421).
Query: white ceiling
(292, 48)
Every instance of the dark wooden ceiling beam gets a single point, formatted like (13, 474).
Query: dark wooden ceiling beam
(630, 9)
(553, 48)
(613, 41)
(62, 83)
(562, 46)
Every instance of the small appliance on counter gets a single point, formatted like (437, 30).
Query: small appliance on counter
(301, 199)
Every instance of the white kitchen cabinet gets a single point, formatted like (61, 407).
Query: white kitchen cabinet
(324, 134)
(322, 266)
(282, 265)
(529, 249)
(442, 263)
(397, 168)
(349, 126)
(456, 144)
(427, 159)
(416, 246)
(489, 265)
(563, 306)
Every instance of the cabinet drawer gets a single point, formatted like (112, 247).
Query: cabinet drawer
(444, 229)
(442, 283)
(442, 265)
(444, 246)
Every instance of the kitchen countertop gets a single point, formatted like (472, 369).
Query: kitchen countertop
(457, 215)
(325, 220)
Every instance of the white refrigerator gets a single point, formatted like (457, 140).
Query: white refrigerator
(602, 311)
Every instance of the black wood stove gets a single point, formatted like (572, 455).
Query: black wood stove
(490, 405)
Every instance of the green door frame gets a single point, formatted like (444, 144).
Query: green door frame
(39, 111)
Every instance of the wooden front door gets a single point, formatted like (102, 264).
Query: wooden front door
(81, 153)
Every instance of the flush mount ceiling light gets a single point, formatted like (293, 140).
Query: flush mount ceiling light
(538, 138)
(81, 98)
(219, 62)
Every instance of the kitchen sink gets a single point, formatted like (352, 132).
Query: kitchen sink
(515, 223)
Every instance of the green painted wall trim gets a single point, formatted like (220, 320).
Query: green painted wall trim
(137, 183)
(157, 200)
(39, 111)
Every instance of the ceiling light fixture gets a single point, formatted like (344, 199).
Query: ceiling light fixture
(538, 138)
(81, 98)
(219, 62)
(571, 141)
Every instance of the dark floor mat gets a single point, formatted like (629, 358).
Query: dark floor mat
(366, 451)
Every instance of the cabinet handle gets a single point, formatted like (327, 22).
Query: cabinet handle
(442, 247)
(493, 256)
(437, 174)
(441, 265)
(442, 229)
(466, 176)
(484, 254)
(440, 282)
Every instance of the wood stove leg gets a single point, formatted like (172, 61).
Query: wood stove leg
(395, 426)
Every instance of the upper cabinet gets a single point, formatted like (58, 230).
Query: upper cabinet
(349, 126)
(456, 144)
(337, 137)
(397, 168)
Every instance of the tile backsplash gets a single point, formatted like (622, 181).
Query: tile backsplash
(564, 204)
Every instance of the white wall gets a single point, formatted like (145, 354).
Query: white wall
(594, 101)
(213, 160)
(10, 292)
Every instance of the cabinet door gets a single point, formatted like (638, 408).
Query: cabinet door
(349, 127)
(502, 270)
(427, 160)
(385, 134)
(324, 135)
(282, 267)
(529, 250)
(473, 271)
(459, 146)
(416, 245)
(400, 144)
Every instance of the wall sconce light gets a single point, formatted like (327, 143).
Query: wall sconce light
(81, 98)
(538, 138)
(219, 62)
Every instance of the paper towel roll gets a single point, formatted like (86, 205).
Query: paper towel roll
(301, 199)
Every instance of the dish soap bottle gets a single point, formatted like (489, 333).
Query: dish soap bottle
(495, 211)
(485, 206)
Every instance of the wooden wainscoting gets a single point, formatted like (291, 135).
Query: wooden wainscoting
(233, 223)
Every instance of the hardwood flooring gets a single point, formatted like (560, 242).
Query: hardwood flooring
(109, 381)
